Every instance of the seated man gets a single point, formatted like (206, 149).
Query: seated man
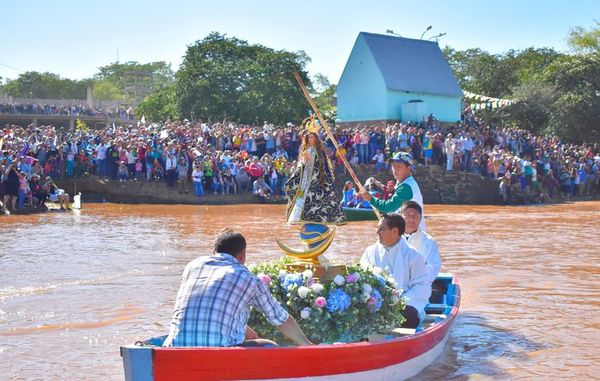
(393, 254)
(424, 243)
(261, 189)
(55, 194)
(212, 306)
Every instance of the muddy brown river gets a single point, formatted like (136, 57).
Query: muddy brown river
(76, 286)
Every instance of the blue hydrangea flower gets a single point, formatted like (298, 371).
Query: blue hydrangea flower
(378, 299)
(380, 279)
(338, 300)
(292, 279)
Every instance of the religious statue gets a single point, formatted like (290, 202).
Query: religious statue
(312, 198)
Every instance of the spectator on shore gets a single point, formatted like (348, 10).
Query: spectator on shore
(122, 172)
(56, 194)
(349, 195)
(182, 175)
(261, 190)
(198, 180)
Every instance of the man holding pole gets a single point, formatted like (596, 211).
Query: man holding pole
(406, 187)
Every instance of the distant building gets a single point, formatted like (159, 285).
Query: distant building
(390, 78)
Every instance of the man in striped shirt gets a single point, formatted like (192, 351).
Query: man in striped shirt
(212, 306)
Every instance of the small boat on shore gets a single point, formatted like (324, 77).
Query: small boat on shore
(395, 355)
(359, 214)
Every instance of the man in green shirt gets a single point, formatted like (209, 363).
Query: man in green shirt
(406, 187)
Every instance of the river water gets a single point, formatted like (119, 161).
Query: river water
(76, 286)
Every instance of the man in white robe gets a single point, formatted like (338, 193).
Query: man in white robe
(393, 254)
(423, 242)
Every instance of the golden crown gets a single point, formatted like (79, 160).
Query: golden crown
(311, 125)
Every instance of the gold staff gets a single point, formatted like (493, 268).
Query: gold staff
(332, 138)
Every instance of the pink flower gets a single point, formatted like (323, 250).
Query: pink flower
(352, 278)
(264, 278)
(372, 301)
(320, 302)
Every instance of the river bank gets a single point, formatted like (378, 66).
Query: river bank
(437, 187)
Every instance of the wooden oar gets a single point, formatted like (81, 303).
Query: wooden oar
(332, 138)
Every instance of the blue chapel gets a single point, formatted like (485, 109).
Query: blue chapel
(390, 78)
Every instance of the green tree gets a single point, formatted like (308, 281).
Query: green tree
(575, 117)
(585, 41)
(575, 114)
(106, 90)
(480, 72)
(33, 84)
(223, 77)
(326, 102)
(160, 105)
(532, 111)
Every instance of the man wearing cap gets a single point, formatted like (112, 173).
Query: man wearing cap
(406, 187)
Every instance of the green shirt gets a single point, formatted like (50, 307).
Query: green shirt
(402, 193)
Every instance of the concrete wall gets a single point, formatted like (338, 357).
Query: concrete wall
(444, 108)
(437, 187)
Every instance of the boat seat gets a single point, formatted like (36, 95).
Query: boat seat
(434, 318)
(391, 334)
(435, 308)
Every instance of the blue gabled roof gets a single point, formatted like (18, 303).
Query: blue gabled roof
(412, 65)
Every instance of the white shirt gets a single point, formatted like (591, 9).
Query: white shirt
(449, 146)
(197, 176)
(171, 163)
(407, 267)
(101, 149)
(427, 246)
(417, 197)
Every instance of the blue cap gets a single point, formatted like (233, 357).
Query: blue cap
(402, 157)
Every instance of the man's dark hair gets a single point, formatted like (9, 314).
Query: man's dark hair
(394, 220)
(230, 242)
(412, 205)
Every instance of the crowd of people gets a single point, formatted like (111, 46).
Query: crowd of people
(229, 158)
(65, 110)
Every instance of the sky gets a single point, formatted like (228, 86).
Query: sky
(74, 38)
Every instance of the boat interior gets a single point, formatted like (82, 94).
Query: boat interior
(441, 302)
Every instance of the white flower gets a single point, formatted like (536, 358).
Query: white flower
(305, 313)
(307, 274)
(303, 291)
(367, 289)
(365, 296)
(392, 281)
(317, 288)
(282, 273)
(339, 280)
(377, 270)
(394, 300)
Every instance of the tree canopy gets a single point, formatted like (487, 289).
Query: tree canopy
(223, 77)
(33, 84)
(557, 93)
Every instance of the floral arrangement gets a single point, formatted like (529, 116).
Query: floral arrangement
(351, 306)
